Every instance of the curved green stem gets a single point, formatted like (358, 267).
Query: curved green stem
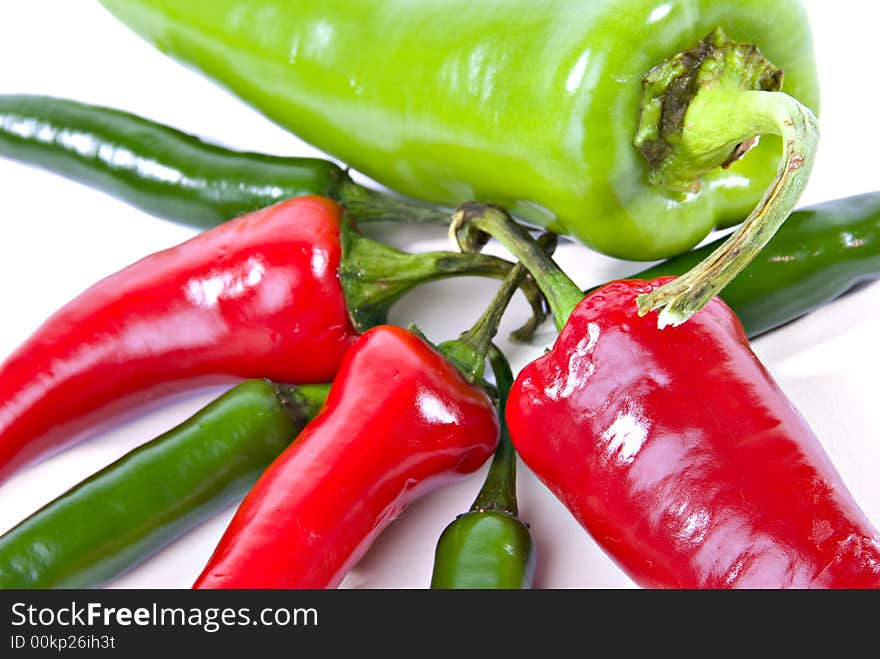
(479, 336)
(472, 224)
(468, 352)
(498, 493)
(758, 112)
(702, 109)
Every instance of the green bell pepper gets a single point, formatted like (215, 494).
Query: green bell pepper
(619, 122)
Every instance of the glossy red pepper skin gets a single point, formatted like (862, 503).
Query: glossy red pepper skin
(256, 297)
(681, 456)
(399, 421)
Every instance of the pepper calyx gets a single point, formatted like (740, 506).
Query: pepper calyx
(374, 276)
(783, 115)
(678, 155)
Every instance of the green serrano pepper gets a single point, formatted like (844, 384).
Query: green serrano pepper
(489, 546)
(132, 508)
(174, 175)
(819, 253)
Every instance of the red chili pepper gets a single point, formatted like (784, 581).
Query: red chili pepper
(271, 294)
(400, 421)
(402, 418)
(678, 452)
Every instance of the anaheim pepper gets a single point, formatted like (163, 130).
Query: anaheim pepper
(629, 124)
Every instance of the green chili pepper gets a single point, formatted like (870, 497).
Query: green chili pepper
(132, 508)
(489, 546)
(817, 255)
(174, 175)
(622, 122)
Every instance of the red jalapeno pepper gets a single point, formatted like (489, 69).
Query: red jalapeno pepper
(676, 449)
(399, 421)
(279, 293)
(402, 418)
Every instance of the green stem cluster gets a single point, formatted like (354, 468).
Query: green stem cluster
(374, 276)
(472, 224)
(469, 351)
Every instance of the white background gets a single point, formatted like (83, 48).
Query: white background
(57, 238)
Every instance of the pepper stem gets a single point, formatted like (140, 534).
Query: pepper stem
(479, 337)
(473, 223)
(468, 352)
(498, 493)
(374, 276)
(703, 109)
(373, 206)
(782, 115)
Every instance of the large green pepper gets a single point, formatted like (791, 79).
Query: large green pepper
(124, 513)
(540, 107)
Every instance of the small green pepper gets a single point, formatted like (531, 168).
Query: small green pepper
(174, 175)
(630, 124)
(132, 508)
(489, 547)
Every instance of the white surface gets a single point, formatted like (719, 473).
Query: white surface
(59, 237)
